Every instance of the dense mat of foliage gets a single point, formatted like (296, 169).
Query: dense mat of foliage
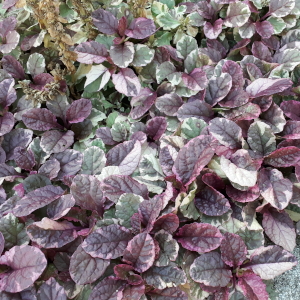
(148, 149)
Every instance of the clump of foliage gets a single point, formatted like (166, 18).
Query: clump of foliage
(148, 149)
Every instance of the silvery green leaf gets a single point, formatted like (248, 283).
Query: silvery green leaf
(94, 161)
(99, 75)
(277, 23)
(192, 127)
(185, 46)
(150, 168)
(143, 55)
(237, 14)
(167, 21)
(36, 64)
(122, 54)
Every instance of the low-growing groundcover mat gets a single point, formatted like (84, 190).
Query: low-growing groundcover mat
(148, 149)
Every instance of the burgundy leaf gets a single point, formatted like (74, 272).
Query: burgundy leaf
(291, 109)
(141, 28)
(7, 92)
(105, 21)
(50, 168)
(156, 127)
(199, 237)
(104, 134)
(197, 109)
(60, 207)
(133, 292)
(41, 80)
(243, 196)
(91, 52)
(264, 29)
(79, 110)
(291, 130)
(125, 272)
(24, 158)
(142, 103)
(261, 51)
(283, 157)
(168, 222)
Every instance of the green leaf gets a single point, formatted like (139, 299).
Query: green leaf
(106, 40)
(169, 3)
(120, 131)
(237, 14)
(187, 204)
(158, 8)
(36, 64)
(277, 23)
(167, 21)
(150, 168)
(143, 55)
(94, 161)
(186, 45)
(96, 78)
(192, 127)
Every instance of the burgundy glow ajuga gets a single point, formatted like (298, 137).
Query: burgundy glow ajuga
(166, 166)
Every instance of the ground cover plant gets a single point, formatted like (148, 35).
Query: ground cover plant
(148, 149)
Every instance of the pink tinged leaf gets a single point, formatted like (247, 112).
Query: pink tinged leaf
(226, 132)
(2, 243)
(291, 130)
(253, 287)
(261, 51)
(122, 54)
(41, 80)
(235, 71)
(267, 86)
(51, 290)
(192, 158)
(11, 42)
(168, 222)
(133, 292)
(264, 29)
(218, 88)
(235, 98)
(174, 293)
(40, 119)
(109, 288)
(197, 109)
(50, 168)
(55, 141)
(126, 156)
(169, 104)
(275, 189)
(91, 52)
(7, 122)
(140, 252)
(279, 227)
(291, 109)
(105, 21)
(84, 268)
(142, 103)
(269, 262)
(253, 71)
(213, 31)
(7, 25)
(26, 264)
(104, 133)
(214, 181)
(87, 192)
(60, 207)
(115, 185)
(196, 80)
(243, 196)
(13, 67)
(210, 270)
(79, 110)
(141, 28)
(233, 250)
(199, 237)
(24, 158)
(125, 272)
(283, 157)
(107, 242)
(7, 92)
(126, 82)
(36, 199)
(156, 127)
(211, 202)
(167, 157)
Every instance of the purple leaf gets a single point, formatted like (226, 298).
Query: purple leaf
(13, 67)
(26, 264)
(267, 86)
(51, 290)
(104, 133)
(39, 119)
(24, 158)
(125, 272)
(60, 207)
(199, 237)
(107, 242)
(169, 104)
(156, 127)
(243, 196)
(261, 51)
(7, 92)
(233, 250)
(84, 268)
(55, 141)
(291, 109)
(7, 122)
(174, 293)
(192, 158)
(91, 52)
(235, 98)
(264, 29)
(142, 103)
(291, 130)
(8, 3)
(197, 109)
(7, 173)
(87, 192)
(59, 106)
(196, 80)
(126, 82)
(283, 157)
(105, 21)
(126, 156)
(141, 28)
(122, 54)
(274, 117)
(218, 88)
(7, 25)
(109, 288)
(79, 110)
(211, 202)
(133, 292)
(2, 243)
(51, 234)
(281, 8)
(41, 80)
(253, 287)
(167, 157)
(226, 132)
(37, 199)
(235, 71)
(269, 262)
(140, 252)
(210, 270)
(115, 185)
(279, 227)
(11, 42)
(50, 168)
(275, 189)
(168, 222)
(213, 31)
